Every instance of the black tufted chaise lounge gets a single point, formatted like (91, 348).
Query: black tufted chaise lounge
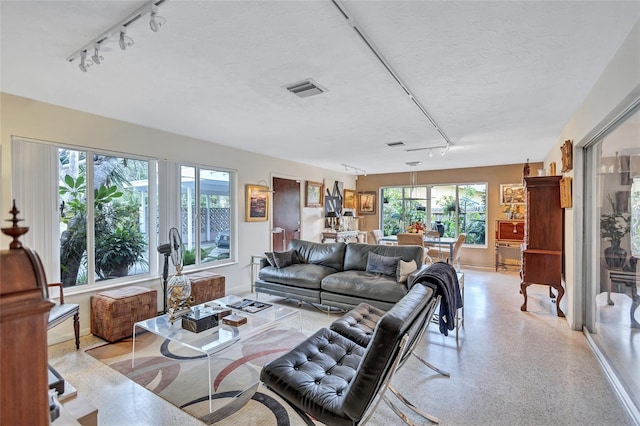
(335, 380)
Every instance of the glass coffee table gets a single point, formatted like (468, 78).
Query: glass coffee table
(215, 340)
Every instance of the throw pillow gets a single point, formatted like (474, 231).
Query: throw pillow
(285, 258)
(270, 259)
(384, 265)
(404, 269)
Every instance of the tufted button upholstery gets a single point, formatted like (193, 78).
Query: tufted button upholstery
(337, 379)
(319, 369)
(358, 324)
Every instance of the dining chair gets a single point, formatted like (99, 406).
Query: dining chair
(434, 252)
(454, 257)
(377, 234)
(414, 239)
(62, 312)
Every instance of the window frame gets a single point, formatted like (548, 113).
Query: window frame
(197, 194)
(429, 211)
(163, 183)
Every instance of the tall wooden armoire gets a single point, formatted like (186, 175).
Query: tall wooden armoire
(24, 384)
(542, 247)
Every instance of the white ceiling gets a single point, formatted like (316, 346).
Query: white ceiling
(500, 78)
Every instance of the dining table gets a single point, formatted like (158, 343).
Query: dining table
(428, 241)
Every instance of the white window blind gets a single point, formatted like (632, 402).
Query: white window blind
(36, 195)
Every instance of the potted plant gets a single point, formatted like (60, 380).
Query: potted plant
(614, 226)
(118, 250)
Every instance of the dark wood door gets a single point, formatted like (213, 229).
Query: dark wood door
(286, 212)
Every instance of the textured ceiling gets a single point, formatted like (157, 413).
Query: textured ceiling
(500, 78)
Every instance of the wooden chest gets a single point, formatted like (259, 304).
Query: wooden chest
(114, 312)
(206, 286)
(509, 230)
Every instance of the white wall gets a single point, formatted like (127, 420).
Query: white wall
(37, 120)
(616, 88)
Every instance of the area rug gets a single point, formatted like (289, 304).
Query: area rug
(179, 375)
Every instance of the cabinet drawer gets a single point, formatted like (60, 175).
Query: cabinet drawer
(510, 230)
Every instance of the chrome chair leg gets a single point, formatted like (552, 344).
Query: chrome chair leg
(431, 366)
(409, 405)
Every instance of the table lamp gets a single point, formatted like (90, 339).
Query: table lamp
(348, 220)
(332, 218)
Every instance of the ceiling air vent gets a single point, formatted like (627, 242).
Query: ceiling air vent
(304, 89)
(394, 144)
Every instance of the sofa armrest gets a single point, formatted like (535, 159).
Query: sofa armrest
(412, 276)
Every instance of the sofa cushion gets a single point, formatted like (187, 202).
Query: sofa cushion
(357, 255)
(299, 275)
(331, 255)
(270, 258)
(282, 259)
(404, 269)
(364, 285)
(358, 324)
(384, 265)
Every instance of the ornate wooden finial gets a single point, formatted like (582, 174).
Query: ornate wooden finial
(15, 231)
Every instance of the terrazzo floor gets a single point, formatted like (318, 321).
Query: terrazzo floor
(508, 368)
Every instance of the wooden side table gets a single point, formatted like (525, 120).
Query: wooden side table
(509, 234)
(509, 245)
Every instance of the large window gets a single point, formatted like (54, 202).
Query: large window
(460, 208)
(101, 212)
(112, 219)
(205, 213)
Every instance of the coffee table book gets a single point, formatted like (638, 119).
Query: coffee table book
(234, 320)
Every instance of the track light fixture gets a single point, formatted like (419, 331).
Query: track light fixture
(156, 22)
(96, 58)
(444, 150)
(118, 32)
(84, 64)
(430, 154)
(356, 170)
(125, 41)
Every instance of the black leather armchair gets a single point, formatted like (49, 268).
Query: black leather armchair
(339, 382)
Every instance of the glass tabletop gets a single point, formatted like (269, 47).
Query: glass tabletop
(221, 336)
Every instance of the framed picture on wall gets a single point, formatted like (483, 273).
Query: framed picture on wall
(257, 203)
(313, 194)
(565, 193)
(512, 193)
(366, 202)
(349, 199)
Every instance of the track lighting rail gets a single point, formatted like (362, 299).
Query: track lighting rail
(118, 32)
(361, 34)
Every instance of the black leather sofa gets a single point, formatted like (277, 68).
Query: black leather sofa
(336, 275)
(340, 382)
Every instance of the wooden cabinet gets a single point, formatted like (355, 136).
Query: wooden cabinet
(24, 386)
(542, 247)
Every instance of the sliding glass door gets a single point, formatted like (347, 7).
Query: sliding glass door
(612, 225)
